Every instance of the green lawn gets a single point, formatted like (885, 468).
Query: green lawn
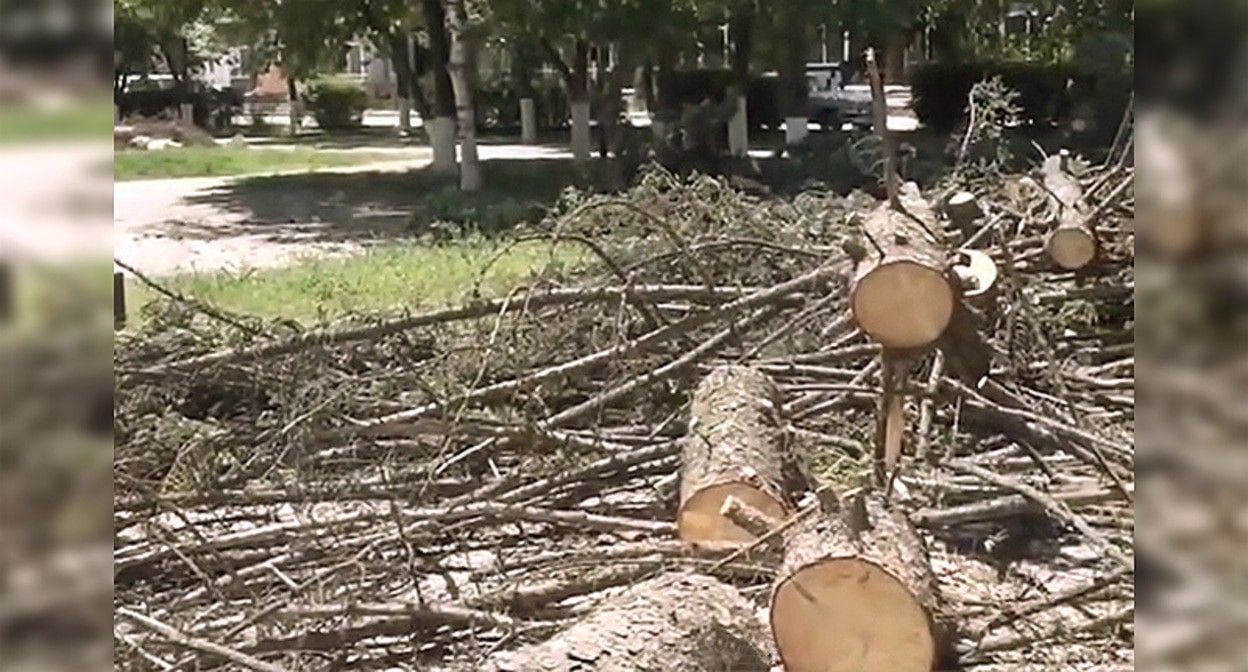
(76, 121)
(413, 277)
(226, 161)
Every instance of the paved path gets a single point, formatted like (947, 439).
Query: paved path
(164, 227)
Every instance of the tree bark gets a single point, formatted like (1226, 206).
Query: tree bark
(463, 76)
(742, 30)
(1071, 244)
(856, 594)
(442, 127)
(578, 97)
(793, 87)
(733, 449)
(673, 622)
(292, 95)
(902, 296)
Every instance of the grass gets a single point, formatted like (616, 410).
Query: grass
(76, 121)
(227, 161)
(382, 279)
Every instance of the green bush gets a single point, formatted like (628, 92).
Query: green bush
(941, 90)
(336, 104)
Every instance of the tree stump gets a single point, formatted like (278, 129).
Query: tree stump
(902, 296)
(1072, 244)
(856, 594)
(733, 449)
(673, 622)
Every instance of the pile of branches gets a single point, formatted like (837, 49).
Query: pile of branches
(428, 491)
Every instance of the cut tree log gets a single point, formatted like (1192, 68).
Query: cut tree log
(856, 593)
(1169, 217)
(733, 449)
(1072, 244)
(963, 210)
(902, 295)
(673, 622)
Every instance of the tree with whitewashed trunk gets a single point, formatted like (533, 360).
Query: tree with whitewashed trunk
(304, 38)
(441, 127)
(463, 71)
(391, 25)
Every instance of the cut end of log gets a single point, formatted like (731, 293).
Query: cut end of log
(903, 304)
(701, 519)
(1071, 248)
(850, 615)
(977, 272)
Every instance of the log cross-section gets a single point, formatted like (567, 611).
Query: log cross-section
(902, 296)
(856, 594)
(673, 622)
(734, 448)
(1071, 244)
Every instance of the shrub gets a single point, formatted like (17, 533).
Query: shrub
(941, 89)
(336, 104)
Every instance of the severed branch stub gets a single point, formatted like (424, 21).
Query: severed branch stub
(1072, 244)
(857, 594)
(733, 449)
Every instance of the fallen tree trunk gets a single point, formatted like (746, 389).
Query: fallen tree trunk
(856, 594)
(673, 622)
(1072, 244)
(733, 449)
(902, 296)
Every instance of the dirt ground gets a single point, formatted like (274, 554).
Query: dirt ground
(163, 227)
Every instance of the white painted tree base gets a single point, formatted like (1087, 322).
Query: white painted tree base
(528, 121)
(405, 115)
(442, 139)
(739, 130)
(795, 130)
(580, 131)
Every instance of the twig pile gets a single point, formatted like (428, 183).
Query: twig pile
(422, 492)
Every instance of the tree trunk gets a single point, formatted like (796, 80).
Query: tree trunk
(578, 97)
(793, 88)
(522, 79)
(895, 57)
(902, 296)
(666, 110)
(734, 448)
(673, 622)
(401, 58)
(292, 95)
(463, 69)
(856, 594)
(742, 29)
(441, 127)
(1071, 244)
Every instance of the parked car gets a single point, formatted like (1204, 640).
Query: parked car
(830, 103)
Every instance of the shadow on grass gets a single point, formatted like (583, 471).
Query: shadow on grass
(380, 206)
